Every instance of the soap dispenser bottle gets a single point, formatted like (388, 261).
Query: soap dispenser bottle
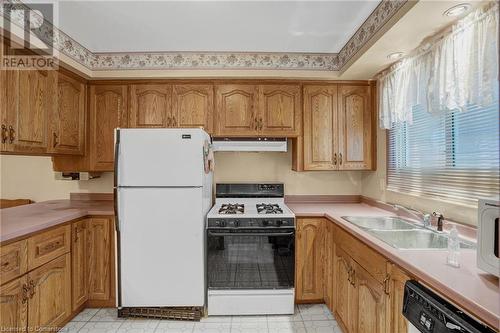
(453, 258)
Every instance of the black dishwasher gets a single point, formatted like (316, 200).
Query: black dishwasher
(429, 312)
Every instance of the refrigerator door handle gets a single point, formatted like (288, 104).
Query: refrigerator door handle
(115, 204)
(117, 154)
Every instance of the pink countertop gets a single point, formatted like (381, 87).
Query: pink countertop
(21, 221)
(468, 287)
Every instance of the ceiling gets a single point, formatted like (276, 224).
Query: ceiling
(213, 26)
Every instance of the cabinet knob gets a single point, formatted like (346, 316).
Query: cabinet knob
(340, 158)
(32, 288)
(12, 134)
(335, 159)
(26, 289)
(4, 134)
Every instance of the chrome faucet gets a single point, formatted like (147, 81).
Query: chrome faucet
(424, 218)
(440, 220)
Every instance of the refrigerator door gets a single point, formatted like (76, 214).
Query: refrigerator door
(161, 247)
(160, 157)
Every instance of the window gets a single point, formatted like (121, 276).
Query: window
(448, 155)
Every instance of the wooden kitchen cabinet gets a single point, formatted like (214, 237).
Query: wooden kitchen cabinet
(344, 290)
(9, 85)
(49, 301)
(108, 110)
(150, 106)
(30, 100)
(280, 111)
(67, 120)
(338, 122)
(14, 261)
(329, 264)
(79, 263)
(369, 303)
(320, 127)
(236, 110)
(309, 260)
(48, 245)
(398, 322)
(193, 106)
(354, 127)
(101, 289)
(14, 305)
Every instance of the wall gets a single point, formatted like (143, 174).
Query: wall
(373, 185)
(32, 176)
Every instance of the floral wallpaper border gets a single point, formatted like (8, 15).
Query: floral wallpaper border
(219, 60)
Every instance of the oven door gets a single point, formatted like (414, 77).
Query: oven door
(251, 259)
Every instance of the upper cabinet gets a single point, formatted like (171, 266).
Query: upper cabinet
(338, 123)
(355, 128)
(320, 127)
(29, 100)
(280, 110)
(150, 105)
(236, 114)
(193, 106)
(108, 106)
(67, 121)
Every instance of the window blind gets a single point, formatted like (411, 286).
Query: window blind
(448, 155)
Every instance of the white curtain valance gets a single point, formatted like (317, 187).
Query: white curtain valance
(459, 69)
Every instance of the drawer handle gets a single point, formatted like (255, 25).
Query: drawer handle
(6, 263)
(52, 246)
(340, 158)
(335, 159)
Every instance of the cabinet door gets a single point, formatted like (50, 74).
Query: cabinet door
(14, 306)
(193, 106)
(320, 127)
(79, 263)
(355, 128)
(329, 263)
(309, 260)
(399, 324)
(369, 303)
(150, 105)
(236, 114)
(28, 124)
(344, 292)
(50, 295)
(67, 121)
(101, 261)
(9, 85)
(13, 261)
(280, 110)
(108, 105)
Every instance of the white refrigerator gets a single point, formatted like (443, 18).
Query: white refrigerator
(163, 191)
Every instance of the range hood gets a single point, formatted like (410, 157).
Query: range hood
(249, 144)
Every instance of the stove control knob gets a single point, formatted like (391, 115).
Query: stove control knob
(236, 224)
(265, 223)
(222, 224)
(279, 223)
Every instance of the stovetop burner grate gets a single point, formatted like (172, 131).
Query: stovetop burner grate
(264, 208)
(232, 209)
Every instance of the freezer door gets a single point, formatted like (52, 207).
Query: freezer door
(161, 247)
(160, 157)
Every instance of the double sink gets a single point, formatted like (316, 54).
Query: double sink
(402, 234)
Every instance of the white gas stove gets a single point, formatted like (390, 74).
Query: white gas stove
(250, 251)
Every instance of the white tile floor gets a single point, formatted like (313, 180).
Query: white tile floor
(314, 318)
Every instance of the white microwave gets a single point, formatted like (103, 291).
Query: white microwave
(488, 236)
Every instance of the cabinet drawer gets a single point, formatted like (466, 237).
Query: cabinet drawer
(13, 261)
(48, 245)
(371, 261)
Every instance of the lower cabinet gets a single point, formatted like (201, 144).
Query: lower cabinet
(14, 305)
(308, 261)
(49, 301)
(343, 290)
(329, 264)
(101, 292)
(399, 324)
(79, 262)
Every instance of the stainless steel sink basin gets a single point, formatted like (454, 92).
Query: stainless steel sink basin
(380, 222)
(402, 234)
(416, 239)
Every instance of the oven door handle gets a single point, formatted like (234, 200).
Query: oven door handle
(211, 233)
